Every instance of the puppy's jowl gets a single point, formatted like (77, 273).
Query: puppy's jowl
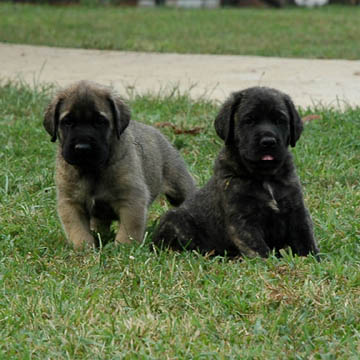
(253, 204)
(108, 167)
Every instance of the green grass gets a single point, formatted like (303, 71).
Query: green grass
(329, 32)
(127, 302)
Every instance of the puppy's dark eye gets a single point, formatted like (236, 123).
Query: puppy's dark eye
(249, 121)
(67, 121)
(100, 121)
(280, 120)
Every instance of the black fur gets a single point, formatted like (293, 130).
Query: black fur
(85, 126)
(253, 204)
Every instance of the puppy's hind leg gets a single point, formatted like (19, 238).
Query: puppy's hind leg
(99, 225)
(101, 228)
(100, 221)
(175, 231)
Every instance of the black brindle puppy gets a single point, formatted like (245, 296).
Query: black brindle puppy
(253, 204)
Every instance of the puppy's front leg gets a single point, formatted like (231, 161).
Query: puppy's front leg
(247, 238)
(300, 235)
(242, 225)
(76, 223)
(132, 224)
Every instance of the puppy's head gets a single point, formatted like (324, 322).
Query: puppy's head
(259, 123)
(86, 118)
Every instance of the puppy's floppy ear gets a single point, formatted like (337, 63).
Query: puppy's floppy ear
(224, 121)
(296, 124)
(120, 112)
(51, 117)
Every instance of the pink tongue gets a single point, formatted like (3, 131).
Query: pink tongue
(267, 157)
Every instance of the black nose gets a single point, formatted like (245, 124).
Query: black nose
(82, 148)
(268, 141)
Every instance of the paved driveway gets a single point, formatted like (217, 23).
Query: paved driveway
(309, 82)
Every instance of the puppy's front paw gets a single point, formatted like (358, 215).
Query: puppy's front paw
(81, 242)
(248, 241)
(123, 238)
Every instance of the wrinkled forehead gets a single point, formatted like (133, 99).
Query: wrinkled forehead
(84, 102)
(259, 104)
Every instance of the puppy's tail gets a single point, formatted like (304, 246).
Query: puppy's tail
(178, 183)
(179, 188)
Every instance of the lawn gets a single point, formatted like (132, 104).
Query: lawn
(328, 32)
(128, 302)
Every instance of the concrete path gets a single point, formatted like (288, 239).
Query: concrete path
(308, 82)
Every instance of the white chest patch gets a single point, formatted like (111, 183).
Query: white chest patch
(272, 203)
